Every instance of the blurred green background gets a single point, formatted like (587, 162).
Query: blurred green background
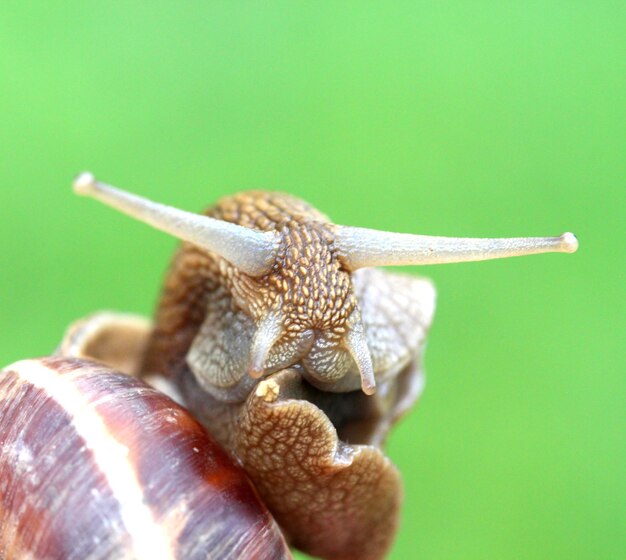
(448, 118)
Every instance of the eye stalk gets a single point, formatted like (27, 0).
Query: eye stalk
(268, 333)
(251, 251)
(361, 247)
(356, 344)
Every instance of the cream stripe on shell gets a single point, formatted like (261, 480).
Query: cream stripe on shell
(149, 540)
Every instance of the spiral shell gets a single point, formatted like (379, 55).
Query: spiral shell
(96, 465)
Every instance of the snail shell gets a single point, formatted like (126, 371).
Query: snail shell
(97, 465)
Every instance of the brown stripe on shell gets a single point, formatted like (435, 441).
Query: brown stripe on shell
(197, 499)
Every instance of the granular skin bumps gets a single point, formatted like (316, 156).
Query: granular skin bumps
(347, 497)
(307, 286)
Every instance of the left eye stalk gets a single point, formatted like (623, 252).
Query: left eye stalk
(95, 463)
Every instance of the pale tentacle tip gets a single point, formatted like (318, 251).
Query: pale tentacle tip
(368, 388)
(268, 390)
(256, 372)
(569, 243)
(84, 183)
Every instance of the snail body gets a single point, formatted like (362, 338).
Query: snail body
(298, 356)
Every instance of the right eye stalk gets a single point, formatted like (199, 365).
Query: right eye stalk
(361, 247)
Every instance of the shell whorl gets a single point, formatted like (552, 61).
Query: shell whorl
(95, 464)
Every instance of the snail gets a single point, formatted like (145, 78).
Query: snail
(280, 335)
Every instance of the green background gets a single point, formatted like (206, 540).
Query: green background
(448, 118)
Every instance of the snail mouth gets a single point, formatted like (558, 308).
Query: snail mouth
(354, 415)
(358, 419)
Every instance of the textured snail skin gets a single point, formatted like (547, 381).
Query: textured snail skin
(97, 465)
(315, 453)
